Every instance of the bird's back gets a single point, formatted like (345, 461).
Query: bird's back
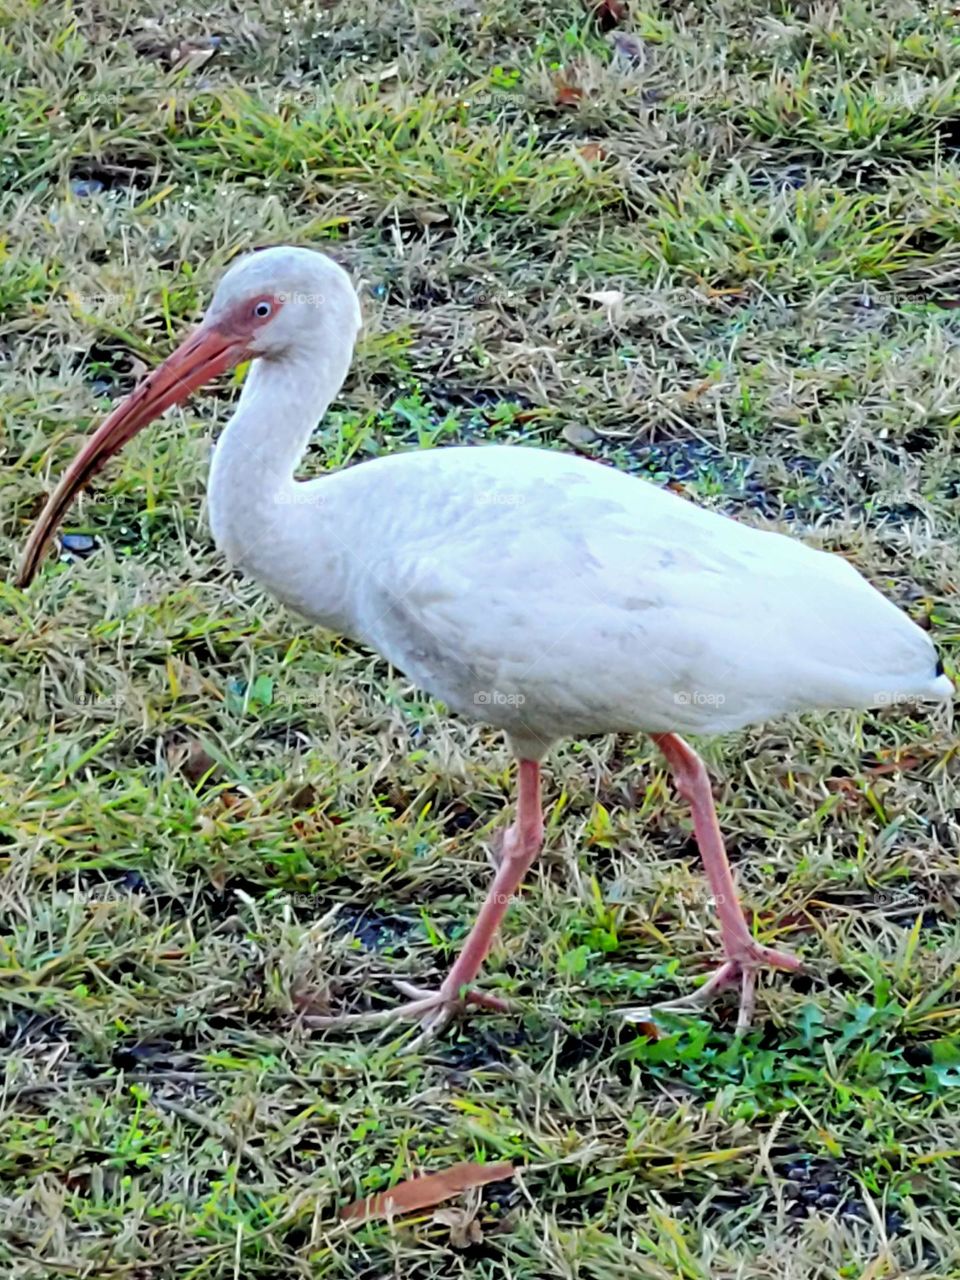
(552, 595)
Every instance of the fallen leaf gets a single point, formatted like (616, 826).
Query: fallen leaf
(428, 217)
(607, 13)
(611, 298)
(576, 434)
(640, 1018)
(152, 41)
(593, 152)
(423, 1193)
(736, 294)
(235, 802)
(566, 94)
(846, 786)
(694, 393)
(305, 797)
(894, 766)
(189, 757)
(219, 874)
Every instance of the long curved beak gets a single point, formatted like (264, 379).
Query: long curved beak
(203, 355)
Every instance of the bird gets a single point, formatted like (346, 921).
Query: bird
(542, 593)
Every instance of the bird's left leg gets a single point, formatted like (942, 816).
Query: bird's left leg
(520, 848)
(744, 954)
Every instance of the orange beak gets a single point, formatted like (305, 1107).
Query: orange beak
(206, 353)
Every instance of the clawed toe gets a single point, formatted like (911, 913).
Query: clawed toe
(374, 1017)
(742, 970)
(434, 1010)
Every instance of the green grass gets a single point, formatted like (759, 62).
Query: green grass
(214, 819)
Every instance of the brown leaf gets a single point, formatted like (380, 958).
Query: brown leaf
(219, 874)
(566, 94)
(644, 1024)
(894, 766)
(593, 152)
(607, 13)
(423, 1193)
(189, 757)
(305, 797)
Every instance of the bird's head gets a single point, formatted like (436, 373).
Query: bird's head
(273, 304)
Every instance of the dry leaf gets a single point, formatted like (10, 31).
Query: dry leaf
(640, 1018)
(894, 766)
(219, 875)
(607, 13)
(593, 152)
(611, 298)
(236, 803)
(566, 94)
(576, 434)
(193, 54)
(189, 757)
(423, 1193)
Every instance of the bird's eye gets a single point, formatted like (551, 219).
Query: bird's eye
(261, 310)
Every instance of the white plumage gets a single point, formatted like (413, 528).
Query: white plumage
(553, 596)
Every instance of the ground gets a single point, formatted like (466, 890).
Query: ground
(716, 244)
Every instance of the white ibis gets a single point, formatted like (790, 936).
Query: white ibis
(541, 593)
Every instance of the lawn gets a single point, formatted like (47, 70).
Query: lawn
(714, 244)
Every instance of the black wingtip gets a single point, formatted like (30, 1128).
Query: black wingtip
(939, 671)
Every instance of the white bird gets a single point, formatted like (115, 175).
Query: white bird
(542, 593)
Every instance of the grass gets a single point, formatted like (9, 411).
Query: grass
(213, 818)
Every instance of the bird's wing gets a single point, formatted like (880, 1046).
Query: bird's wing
(616, 601)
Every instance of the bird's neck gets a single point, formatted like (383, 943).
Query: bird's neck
(258, 513)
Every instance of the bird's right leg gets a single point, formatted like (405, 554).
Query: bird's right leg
(435, 1008)
(744, 955)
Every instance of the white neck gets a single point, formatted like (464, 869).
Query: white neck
(264, 521)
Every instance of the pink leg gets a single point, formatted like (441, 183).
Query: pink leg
(744, 954)
(520, 848)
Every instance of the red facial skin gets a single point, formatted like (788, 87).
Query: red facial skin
(210, 350)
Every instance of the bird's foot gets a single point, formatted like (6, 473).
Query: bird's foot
(741, 967)
(435, 1009)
